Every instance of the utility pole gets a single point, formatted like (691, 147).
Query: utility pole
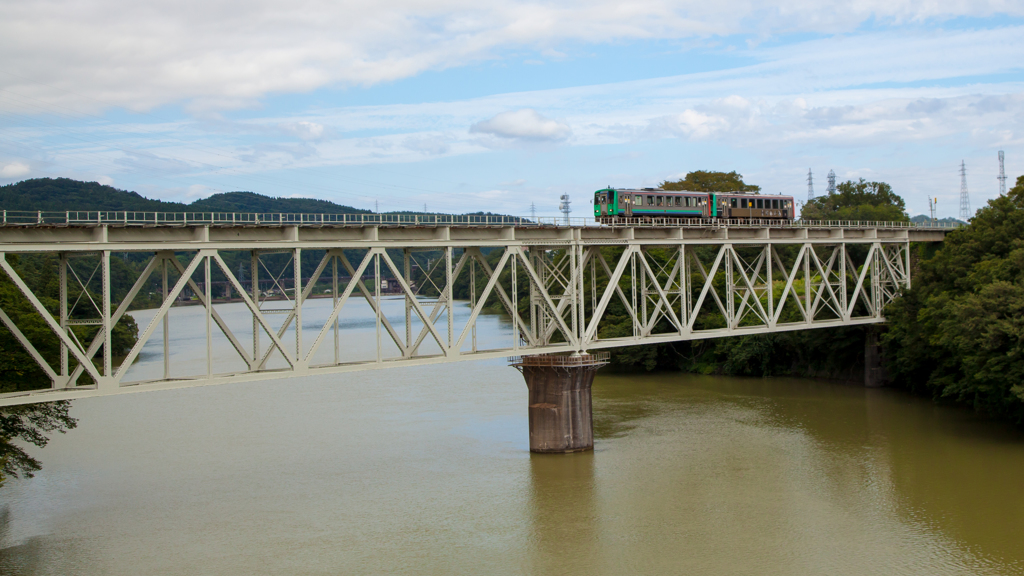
(965, 201)
(1002, 176)
(932, 204)
(564, 207)
(810, 185)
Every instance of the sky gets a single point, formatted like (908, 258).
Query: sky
(459, 106)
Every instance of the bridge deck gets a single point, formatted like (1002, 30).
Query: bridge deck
(126, 231)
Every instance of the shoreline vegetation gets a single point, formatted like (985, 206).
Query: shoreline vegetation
(957, 336)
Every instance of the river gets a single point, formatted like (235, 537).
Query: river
(427, 470)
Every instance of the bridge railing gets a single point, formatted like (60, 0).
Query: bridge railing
(127, 218)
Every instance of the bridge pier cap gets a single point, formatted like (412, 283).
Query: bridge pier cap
(560, 407)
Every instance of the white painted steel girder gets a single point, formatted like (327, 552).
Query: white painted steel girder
(671, 284)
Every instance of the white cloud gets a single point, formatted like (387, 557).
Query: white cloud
(524, 124)
(304, 130)
(227, 53)
(15, 170)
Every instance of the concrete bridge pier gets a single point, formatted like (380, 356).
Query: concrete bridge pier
(561, 413)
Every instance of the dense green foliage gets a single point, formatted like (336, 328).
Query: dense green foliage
(706, 181)
(959, 333)
(865, 201)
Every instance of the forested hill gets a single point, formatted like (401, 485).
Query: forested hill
(922, 219)
(60, 194)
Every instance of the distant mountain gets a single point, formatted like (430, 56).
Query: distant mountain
(922, 219)
(252, 202)
(61, 194)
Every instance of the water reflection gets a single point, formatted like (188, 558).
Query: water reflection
(563, 513)
(859, 480)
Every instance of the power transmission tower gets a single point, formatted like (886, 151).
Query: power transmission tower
(965, 201)
(424, 207)
(376, 206)
(831, 182)
(564, 207)
(810, 185)
(533, 211)
(1002, 176)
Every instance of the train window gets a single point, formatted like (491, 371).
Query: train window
(650, 200)
(775, 204)
(660, 201)
(734, 202)
(638, 200)
(743, 203)
(679, 201)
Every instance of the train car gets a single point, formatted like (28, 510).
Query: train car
(736, 206)
(613, 204)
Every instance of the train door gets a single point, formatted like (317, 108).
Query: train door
(626, 202)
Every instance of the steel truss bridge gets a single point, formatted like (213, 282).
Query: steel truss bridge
(668, 281)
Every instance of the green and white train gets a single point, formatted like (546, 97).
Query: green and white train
(613, 205)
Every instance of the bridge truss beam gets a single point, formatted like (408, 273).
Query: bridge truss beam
(560, 295)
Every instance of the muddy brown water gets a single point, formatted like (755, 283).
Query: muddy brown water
(427, 471)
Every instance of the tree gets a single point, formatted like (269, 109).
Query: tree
(705, 181)
(29, 423)
(958, 335)
(861, 200)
